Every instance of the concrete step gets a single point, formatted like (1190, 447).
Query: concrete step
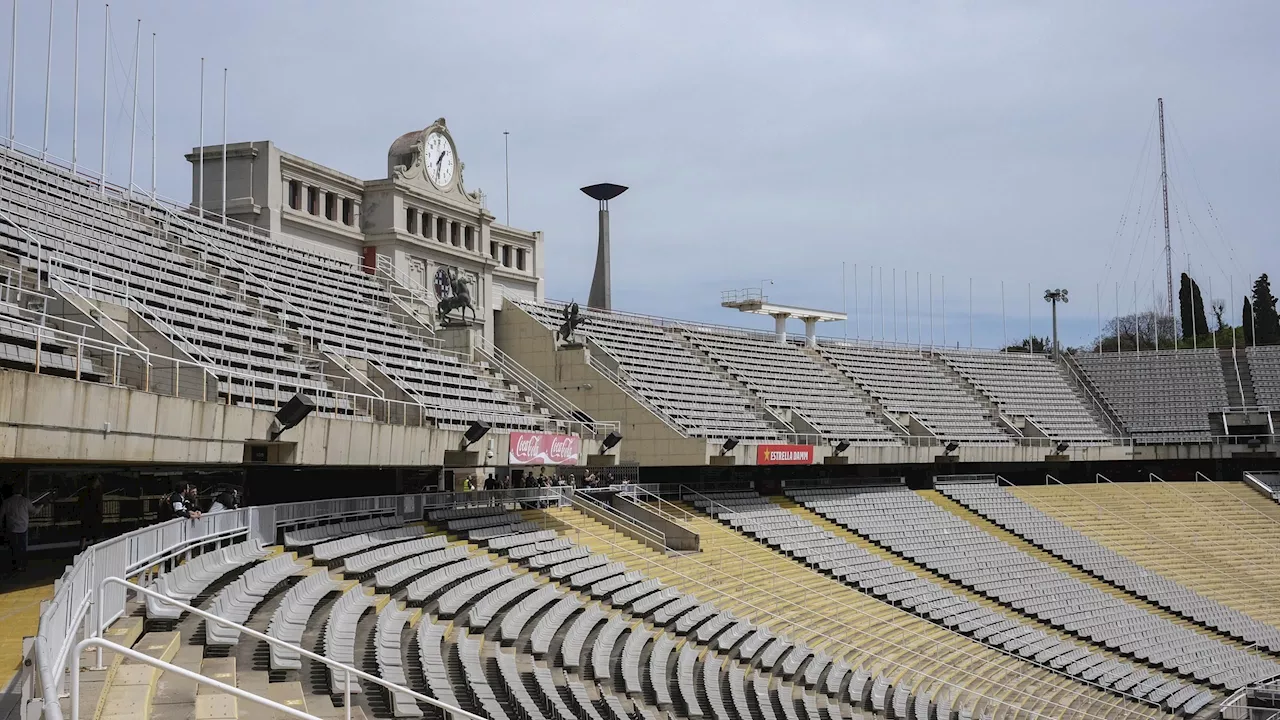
(130, 689)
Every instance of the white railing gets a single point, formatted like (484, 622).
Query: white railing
(602, 512)
(1104, 407)
(392, 278)
(348, 671)
(91, 593)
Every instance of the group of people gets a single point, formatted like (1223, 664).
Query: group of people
(184, 502)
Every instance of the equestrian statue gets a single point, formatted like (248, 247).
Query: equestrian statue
(572, 321)
(454, 292)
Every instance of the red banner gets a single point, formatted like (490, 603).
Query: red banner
(784, 455)
(543, 449)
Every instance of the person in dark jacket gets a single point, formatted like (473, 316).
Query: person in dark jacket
(179, 503)
(228, 499)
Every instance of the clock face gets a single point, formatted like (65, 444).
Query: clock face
(439, 158)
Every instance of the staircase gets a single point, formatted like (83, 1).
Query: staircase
(767, 414)
(880, 415)
(1090, 398)
(1238, 379)
(994, 415)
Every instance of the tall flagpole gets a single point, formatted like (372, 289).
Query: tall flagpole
(881, 303)
(1004, 324)
(906, 308)
(13, 66)
(200, 185)
(48, 83)
(1097, 305)
(942, 290)
(154, 122)
(1137, 321)
(1117, 317)
(75, 93)
(1156, 314)
(893, 292)
(106, 64)
(930, 311)
(1031, 333)
(970, 313)
(224, 146)
(133, 129)
(506, 169)
(1215, 330)
(919, 336)
(857, 320)
(844, 302)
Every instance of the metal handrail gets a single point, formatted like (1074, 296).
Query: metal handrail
(616, 517)
(635, 489)
(618, 378)
(1102, 403)
(136, 656)
(1235, 362)
(333, 664)
(545, 394)
(386, 270)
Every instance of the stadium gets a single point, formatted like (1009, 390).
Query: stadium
(465, 498)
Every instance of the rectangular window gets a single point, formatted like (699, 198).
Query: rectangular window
(469, 234)
(295, 194)
(313, 200)
(455, 234)
(330, 206)
(348, 212)
(442, 230)
(506, 256)
(411, 221)
(520, 252)
(426, 225)
(493, 250)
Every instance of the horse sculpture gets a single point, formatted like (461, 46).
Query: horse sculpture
(459, 298)
(572, 320)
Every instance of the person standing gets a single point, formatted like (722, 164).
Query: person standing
(16, 512)
(91, 511)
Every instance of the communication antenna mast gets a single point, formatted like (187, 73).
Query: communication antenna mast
(1164, 188)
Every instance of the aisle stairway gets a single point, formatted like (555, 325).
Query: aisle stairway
(766, 588)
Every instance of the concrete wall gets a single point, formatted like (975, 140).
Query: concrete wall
(646, 439)
(678, 537)
(59, 419)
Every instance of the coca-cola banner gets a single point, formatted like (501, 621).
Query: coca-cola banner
(784, 455)
(529, 448)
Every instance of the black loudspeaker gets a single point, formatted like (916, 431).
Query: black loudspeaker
(293, 412)
(729, 444)
(1062, 447)
(478, 429)
(613, 438)
(842, 446)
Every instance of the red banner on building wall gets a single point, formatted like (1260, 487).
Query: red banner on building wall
(543, 449)
(784, 455)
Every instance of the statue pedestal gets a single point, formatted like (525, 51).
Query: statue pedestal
(570, 346)
(460, 337)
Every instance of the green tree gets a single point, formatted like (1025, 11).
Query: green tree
(1264, 313)
(1191, 305)
(1037, 345)
(1246, 320)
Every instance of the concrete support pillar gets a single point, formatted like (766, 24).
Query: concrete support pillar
(811, 332)
(780, 326)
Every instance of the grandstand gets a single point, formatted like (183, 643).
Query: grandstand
(782, 527)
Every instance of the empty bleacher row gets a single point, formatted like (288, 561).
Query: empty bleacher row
(792, 535)
(541, 639)
(925, 533)
(1160, 396)
(1031, 386)
(582, 669)
(1004, 509)
(668, 374)
(938, 668)
(1264, 371)
(235, 302)
(786, 377)
(1216, 538)
(829, 388)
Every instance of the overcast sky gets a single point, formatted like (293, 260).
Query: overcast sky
(988, 142)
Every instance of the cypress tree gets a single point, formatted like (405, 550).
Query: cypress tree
(1246, 320)
(1264, 309)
